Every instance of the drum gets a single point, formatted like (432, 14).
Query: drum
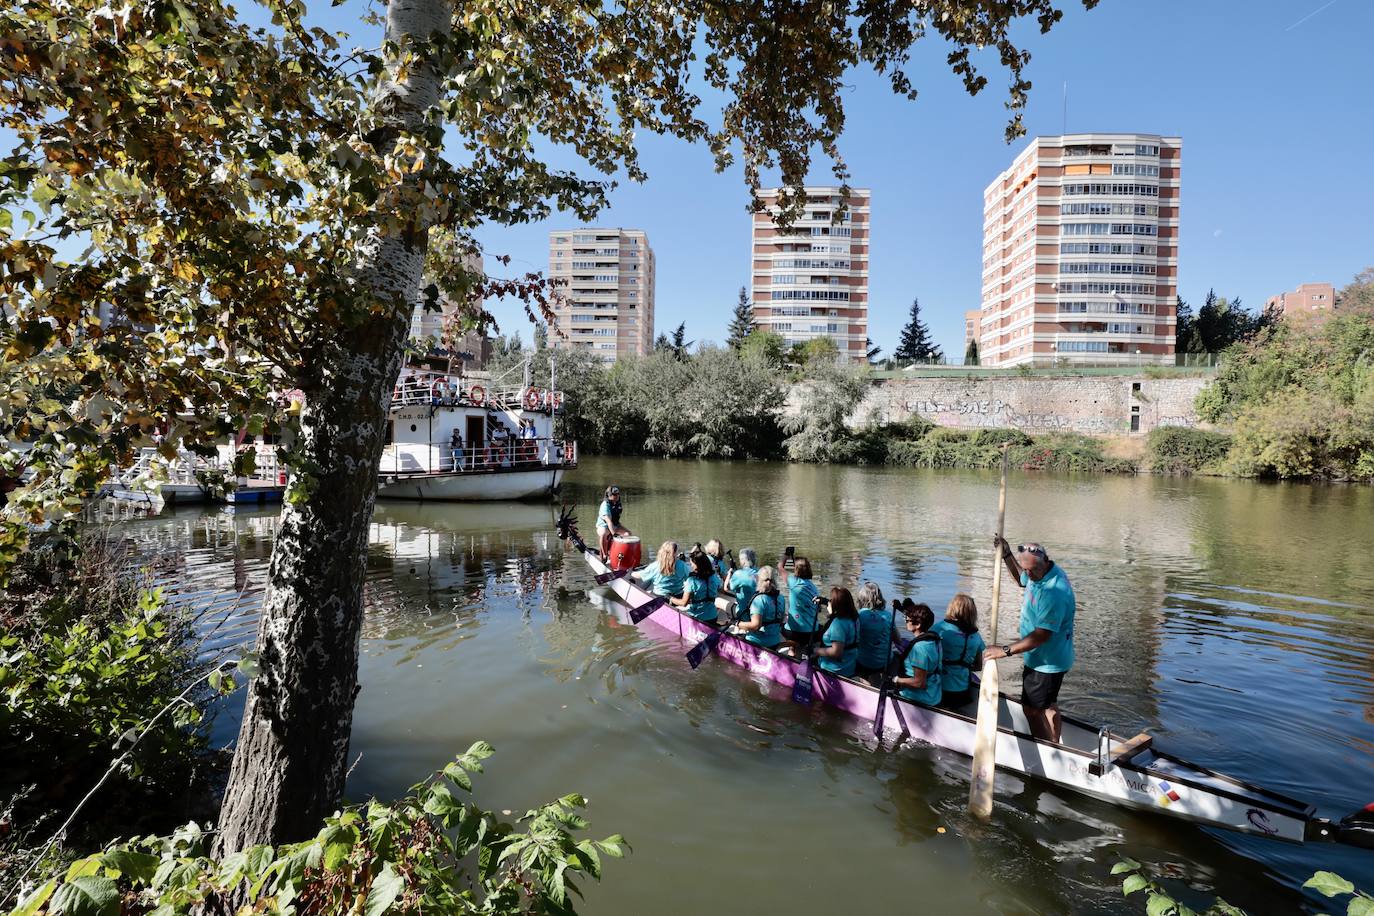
(624, 553)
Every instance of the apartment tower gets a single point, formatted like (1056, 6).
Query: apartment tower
(1080, 252)
(605, 300)
(811, 279)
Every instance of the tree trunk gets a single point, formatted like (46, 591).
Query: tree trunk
(290, 762)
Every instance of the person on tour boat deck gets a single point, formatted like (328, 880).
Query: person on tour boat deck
(699, 590)
(743, 582)
(608, 520)
(877, 633)
(1047, 612)
(921, 664)
(667, 573)
(802, 602)
(761, 621)
(961, 647)
(839, 651)
(455, 445)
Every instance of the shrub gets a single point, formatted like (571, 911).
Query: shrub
(1179, 450)
(1068, 452)
(429, 852)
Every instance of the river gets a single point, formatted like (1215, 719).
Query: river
(1232, 620)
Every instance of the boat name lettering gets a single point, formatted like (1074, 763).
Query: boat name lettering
(1133, 783)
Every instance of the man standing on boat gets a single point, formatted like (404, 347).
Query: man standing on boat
(1047, 613)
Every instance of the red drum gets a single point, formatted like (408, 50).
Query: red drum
(624, 553)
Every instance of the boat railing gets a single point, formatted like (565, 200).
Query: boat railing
(509, 453)
(437, 390)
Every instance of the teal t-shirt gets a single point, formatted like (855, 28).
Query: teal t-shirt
(744, 583)
(604, 516)
(958, 653)
(801, 605)
(1049, 605)
(925, 655)
(770, 611)
(874, 639)
(668, 584)
(702, 595)
(845, 632)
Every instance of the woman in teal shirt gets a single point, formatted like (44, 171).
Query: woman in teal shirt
(961, 649)
(743, 582)
(666, 575)
(762, 625)
(698, 596)
(921, 661)
(839, 650)
(800, 627)
(877, 633)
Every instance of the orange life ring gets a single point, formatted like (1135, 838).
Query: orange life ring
(477, 395)
(532, 398)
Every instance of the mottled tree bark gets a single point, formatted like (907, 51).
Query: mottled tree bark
(290, 761)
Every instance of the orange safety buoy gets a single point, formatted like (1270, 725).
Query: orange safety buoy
(533, 396)
(477, 395)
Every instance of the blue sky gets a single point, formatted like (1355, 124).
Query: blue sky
(1275, 115)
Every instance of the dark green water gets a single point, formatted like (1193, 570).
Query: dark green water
(1233, 620)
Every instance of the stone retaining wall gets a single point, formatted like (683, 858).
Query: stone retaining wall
(1093, 405)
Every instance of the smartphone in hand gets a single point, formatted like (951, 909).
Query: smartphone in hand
(789, 558)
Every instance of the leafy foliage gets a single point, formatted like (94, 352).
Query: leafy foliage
(427, 852)
(1358, 294)
(971, 357)
(817, 431)
(915, 344)
(1299, 400)
(1160, 902)
(1178, 450)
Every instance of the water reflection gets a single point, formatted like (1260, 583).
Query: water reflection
(1231, 619)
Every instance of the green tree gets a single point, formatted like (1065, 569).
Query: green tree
(915, 343)
(814, 352)
(1358, 293)
(765, 347)
(254, 207)
(871, 350)
(662, 343)
(1222, 322)
(741, 321)
(1186, 337)
(541, 337)
(971, 353)
(829, 394)
(679, 344)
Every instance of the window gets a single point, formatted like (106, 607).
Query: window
(1143, 149)
(827, 294)
(1103, 188)
(1135, 168)
(1082, 346)
(785, 278)
(584, 238)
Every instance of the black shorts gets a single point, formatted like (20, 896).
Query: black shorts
(1039, 690)
(802, 639)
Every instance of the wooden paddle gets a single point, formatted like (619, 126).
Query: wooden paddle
(985, 737)
(885, 680)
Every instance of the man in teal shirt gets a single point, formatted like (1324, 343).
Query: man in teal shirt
(1047, 613)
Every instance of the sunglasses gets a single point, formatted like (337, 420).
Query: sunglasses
(1032, 550)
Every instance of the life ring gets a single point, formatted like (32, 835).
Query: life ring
(477, 395)
(532, 398)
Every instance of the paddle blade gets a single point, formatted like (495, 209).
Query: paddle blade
(985, 745)
(801, 687)
(603, 578)
(697, 654)
(647, 608)
(882, 708)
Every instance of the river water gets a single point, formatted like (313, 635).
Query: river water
(1233, 620)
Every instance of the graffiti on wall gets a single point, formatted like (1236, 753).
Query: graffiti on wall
(994, 413)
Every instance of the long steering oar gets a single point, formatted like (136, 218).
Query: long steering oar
(985, 737)
(567, 531)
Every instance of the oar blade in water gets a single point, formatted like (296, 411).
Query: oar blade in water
(801, 687)
(985, 744)
(697, 654)
(647, 608)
